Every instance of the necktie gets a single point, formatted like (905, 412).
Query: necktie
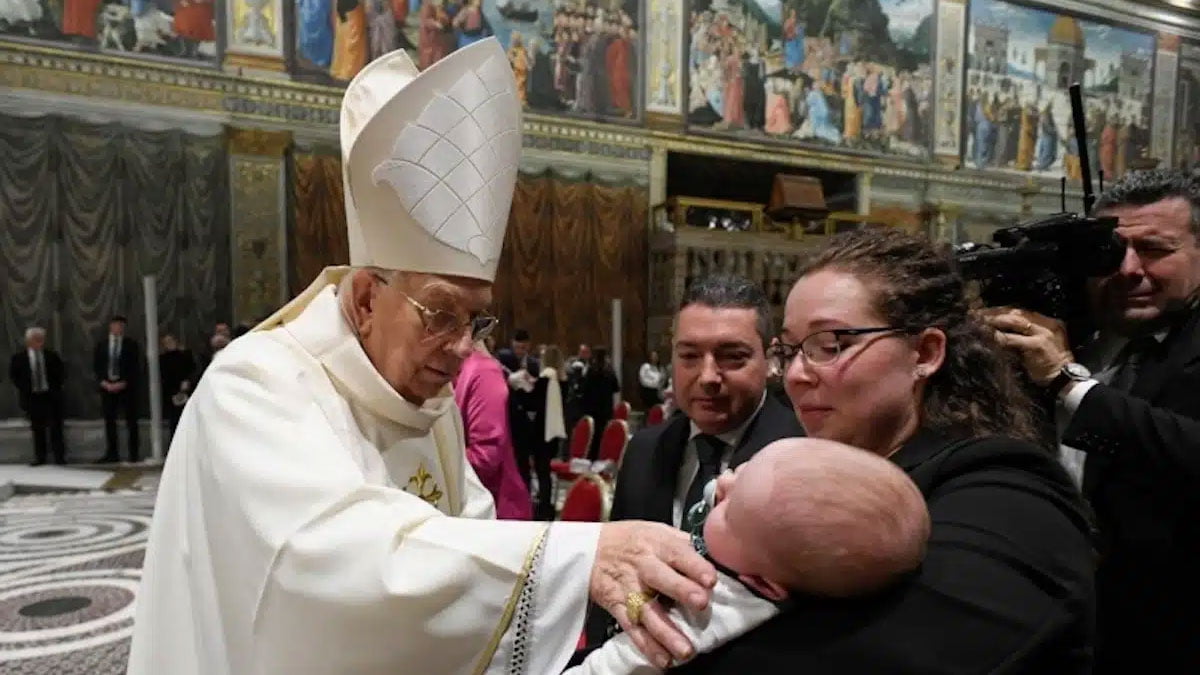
(708, 451)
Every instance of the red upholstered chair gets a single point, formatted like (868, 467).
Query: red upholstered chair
(656, 414)
(621, 411)
(588, 501)
(612, 445)
(581, 440)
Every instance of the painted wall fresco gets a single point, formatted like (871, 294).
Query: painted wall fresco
(844, 73)
(185, 29)
(1018, 113)
(569, 56)
(1187, 108)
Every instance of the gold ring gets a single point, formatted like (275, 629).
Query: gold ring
(635, 603)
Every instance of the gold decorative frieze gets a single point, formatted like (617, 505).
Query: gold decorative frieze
(259, 142)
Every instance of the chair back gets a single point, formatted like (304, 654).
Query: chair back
(621, 411)
(587, 501)
(581, 437)
(656, 414)
(614, 440)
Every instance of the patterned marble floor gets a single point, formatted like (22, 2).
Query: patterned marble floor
(69, 571)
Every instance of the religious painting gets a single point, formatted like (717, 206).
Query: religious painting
(1021, 61)
(854, 74)
(252, 27)
(1187, 108)
(185, 29)
(569, 56)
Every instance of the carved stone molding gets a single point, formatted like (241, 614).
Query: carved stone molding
(259, 142)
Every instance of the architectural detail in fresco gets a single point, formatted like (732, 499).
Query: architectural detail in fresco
(663, 49)
(184, 29)
(1162, 124)
(846, 73)
(1019, 118)
(252, 27)
(947, 130)
(1187, 107)
(569, 56)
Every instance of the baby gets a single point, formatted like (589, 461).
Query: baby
(804, 515)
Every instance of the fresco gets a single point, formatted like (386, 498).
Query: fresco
(1187, 108)
(1021, 60)
(569, 56)
(844, 73)
(184, 29)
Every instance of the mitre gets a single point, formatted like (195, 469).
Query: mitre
(429, 161)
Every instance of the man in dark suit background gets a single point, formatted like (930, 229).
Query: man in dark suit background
(38, 375)
(117, 365)
(522, 369)
(1129, 410)
(719, 367)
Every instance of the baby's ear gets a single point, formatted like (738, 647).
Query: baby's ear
(765, 587)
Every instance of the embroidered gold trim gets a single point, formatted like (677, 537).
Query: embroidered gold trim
(506, 618)
(426, 487)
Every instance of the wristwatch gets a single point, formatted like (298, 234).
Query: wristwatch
(1071, 372)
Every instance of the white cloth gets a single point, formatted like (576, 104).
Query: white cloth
(556, 427)
(691, 463)
(310, 520)
(734, 610)
(651, 376)
(38, 382)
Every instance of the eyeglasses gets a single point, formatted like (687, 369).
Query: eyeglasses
(440, 323)
(821, 348)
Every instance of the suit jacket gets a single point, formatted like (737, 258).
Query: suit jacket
(649, 474)
(1142, 477)
(1006, 585)
(131, 361)
(21, 373)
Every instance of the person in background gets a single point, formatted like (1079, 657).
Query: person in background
(652, 378)
(547, 393)
(600, 391)
(38, 374)
(117, 365)
(577, 367)
(482, 394)
(521, 367)
(176, 368)
(216, 343)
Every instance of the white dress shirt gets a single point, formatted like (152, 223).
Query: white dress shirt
(691, 463)
(38, 381)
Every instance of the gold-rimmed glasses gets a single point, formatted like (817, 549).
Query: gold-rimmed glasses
(441, 323)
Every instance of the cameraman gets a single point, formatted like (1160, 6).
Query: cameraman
(1135, 417)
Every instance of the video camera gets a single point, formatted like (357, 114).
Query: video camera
(1043, 265)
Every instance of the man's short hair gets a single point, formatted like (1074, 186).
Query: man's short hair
(118, 318)
(731, 291)
(34, 331)
(521, 335)
(1138, 188)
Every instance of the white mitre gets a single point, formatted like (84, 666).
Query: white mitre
(429, 161)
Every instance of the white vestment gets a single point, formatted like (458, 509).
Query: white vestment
(734, 610)
(310, 520)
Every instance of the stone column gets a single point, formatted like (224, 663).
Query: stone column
(258, 222)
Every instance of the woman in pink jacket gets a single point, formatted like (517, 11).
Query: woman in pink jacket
(481, 392)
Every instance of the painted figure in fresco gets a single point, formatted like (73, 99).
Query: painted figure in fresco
(1046, 152)
(350, 47)
(436, 39)
(735, 88)
(470, 26)
(381, 27)
(79, 18)
(518, 58)
(314, 34)
(1028, 142)
(194, 22)
(589, 54)
(19, 12)
(618, 58)
(754, 102)
(793, 41)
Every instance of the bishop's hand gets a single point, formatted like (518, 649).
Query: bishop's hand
(633, 557)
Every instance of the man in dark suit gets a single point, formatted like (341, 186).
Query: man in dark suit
(1131, 412)
(720, 378)
(522, 369)
(38, 375)
(117, 365)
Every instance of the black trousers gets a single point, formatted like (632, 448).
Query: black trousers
(121, 403)
(650, 397)
(45, 418)
(543, 453)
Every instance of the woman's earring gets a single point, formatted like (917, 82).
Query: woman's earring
(922, 372)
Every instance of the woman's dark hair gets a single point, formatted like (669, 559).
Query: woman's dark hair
(976, 391)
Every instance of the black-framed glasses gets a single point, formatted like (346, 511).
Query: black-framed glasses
(441, 323)
(821, 348)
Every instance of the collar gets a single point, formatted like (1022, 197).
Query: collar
(734, 435)
(919, 448)
(322, 331)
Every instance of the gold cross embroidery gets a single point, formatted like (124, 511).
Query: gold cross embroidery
(426, 488)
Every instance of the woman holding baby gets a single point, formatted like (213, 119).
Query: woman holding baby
(880, 351)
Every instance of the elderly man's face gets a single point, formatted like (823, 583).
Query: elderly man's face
(400, 338)
(35, 341)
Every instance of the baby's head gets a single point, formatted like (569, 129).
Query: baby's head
(817, 517)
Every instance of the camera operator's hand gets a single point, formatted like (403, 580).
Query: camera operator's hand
(1040, 340)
